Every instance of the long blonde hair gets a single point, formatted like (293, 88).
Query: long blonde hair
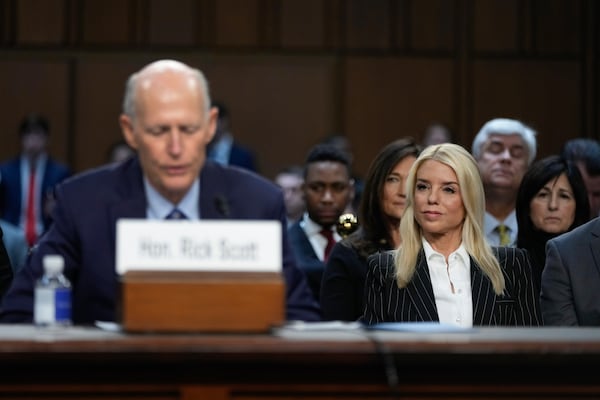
(471, 191)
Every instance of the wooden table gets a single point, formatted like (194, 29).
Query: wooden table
(497, 363)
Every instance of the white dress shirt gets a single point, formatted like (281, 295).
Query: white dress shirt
(313, 233)
(451, 285)
(159, 207)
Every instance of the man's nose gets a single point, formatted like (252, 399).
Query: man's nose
(327, 195)
(174, 141)
(505, 154)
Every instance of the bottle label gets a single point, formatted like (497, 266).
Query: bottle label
(52, 306)
(43, 310)
(62, 304)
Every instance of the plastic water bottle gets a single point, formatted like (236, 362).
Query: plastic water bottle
(52, 298)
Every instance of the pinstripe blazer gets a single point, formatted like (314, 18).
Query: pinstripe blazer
(385, 302)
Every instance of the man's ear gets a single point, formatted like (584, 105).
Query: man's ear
(127, 130)
(213, 113)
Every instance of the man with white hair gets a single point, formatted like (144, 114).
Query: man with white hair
(504, 149)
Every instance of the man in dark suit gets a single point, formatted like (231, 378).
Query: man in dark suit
(504, 149)
(27, 182)
(223, 148)
(168, 120)
(328, 189)
(15, 244)
(6, 269)
(585, 153)
(570, 277)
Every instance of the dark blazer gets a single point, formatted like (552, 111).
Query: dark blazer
(385, 302)
(10, 188)
(343, 285)
(306, 259)
(15, 244)
(242, 157)
(6, 269)
(571, 277)
(84, 229)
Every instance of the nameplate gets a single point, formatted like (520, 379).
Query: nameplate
(205, 245)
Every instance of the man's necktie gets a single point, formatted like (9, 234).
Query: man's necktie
(30, 233)
(176, 214)
(328, 234)
(504, 236)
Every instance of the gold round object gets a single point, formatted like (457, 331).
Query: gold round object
(347, 223)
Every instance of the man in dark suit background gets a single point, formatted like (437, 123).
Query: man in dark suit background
(570, 277)
(585, 153)
(328, 189)
(27, 181)
(6, 269)
(168, 120)
(223, 148)
(15, 244)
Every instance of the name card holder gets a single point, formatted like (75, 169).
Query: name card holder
(202, 301)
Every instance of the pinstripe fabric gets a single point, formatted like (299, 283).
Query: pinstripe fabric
(385, 302)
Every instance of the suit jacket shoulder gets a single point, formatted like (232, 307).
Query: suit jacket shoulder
(579, 237)
(342, 286)
(246, 194)
(381, 265)
(55, 172)
(519, 287)
(569, 276)
(242, 157)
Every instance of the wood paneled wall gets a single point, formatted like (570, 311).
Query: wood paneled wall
(294, 71)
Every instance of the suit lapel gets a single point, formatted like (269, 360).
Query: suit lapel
(214, 201)
(303, 249)
(483, 296)
(131, 202)
(595, 243)
(420, 291)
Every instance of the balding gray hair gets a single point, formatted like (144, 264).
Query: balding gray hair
(129, 99)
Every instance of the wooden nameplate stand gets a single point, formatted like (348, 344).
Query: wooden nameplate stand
(202, 301)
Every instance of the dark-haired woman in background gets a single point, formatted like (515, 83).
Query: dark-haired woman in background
(551, 200)
(382, 204)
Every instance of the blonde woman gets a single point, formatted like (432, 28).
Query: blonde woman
(445, 271)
